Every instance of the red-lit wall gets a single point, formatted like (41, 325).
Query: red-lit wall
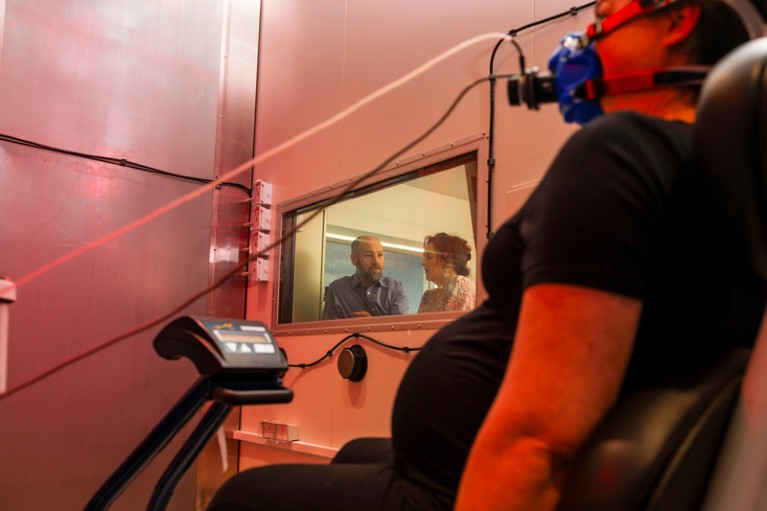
(153, 83)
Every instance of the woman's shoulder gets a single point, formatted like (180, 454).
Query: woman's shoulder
(462, 294)
(463, 282)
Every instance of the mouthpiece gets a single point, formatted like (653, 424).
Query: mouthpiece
(531, 88)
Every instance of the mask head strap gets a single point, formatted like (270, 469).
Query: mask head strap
(635, 9)
(750, 17)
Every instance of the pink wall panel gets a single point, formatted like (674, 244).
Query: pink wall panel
(134, 80)
(317, 60)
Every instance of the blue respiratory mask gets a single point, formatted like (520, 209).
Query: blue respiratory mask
(575, 74)
(577, 83)
(576, 69)
(576, 78)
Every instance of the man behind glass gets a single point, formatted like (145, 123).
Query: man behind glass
(368, 292)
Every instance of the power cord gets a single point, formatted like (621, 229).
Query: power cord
(573, 11)
(242, 264)
(329, 353)
(121, 162)
(247, 165)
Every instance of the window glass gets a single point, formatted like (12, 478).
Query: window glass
(319, 270)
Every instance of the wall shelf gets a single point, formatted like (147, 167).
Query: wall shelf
(297, 446)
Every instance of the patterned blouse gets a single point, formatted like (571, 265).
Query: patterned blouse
(458, 295)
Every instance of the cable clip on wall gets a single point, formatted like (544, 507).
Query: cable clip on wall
(260, 227)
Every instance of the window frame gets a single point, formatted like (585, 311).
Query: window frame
(477, 144)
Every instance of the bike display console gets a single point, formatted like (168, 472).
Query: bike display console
(222, 345)
(239, 364)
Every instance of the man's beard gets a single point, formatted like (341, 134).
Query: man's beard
(371, 276)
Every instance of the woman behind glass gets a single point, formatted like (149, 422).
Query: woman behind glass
(444, 262)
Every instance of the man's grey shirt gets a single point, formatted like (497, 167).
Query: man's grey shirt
(347, 295)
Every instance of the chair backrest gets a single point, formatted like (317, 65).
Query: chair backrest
(739, 481)
(733, 135)
(658, 448)
(730, 135)
(655, 449)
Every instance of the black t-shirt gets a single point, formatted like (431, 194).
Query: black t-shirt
(617, 211)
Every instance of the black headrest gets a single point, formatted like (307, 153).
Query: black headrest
(730, 136)
(761, 7)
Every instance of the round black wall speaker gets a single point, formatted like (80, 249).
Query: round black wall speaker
(353, 363)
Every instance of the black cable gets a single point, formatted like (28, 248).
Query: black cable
(122, 162)
(329, 353)
(242, 264)
(329, 202)
(573, 11)
(492, 77)
(404, 349)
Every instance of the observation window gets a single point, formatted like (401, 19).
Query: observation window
(433, 193)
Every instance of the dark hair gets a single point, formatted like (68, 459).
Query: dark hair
(453, 250)
(718, 31)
